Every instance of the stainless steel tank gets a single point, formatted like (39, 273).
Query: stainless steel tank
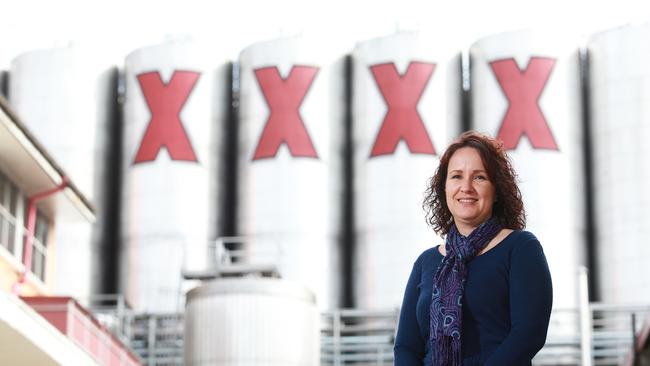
(251, 321)
(176, 103)
(406, 109)
(619, 79)
(525, 90)
(67, 98)
(290, 154)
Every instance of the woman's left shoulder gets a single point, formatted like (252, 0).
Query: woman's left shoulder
(523, 236)
(517, 239)
(522, 240)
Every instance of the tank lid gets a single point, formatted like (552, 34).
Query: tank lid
(259, 286)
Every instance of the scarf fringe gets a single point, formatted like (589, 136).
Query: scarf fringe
(449, 352)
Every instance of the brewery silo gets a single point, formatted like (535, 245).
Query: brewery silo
(619, 79)
(291, 136)
(177, 96)
(406, 109)
(67, 97)
(525, 91)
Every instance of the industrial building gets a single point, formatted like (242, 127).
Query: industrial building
(37, 196)
(267, 210)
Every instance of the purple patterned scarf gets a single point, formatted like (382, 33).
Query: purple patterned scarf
(448, 285)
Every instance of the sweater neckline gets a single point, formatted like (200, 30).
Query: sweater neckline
(506, 239)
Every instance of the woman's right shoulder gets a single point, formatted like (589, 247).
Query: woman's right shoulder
(431, 254)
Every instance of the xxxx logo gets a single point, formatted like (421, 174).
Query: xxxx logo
(402, 121)
(165, 129)
(523, 89)
(285, 125)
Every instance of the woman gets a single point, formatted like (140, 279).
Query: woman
(484, 297)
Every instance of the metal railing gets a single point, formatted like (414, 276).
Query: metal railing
(592, 334)
(233, 257)
(82, 330)
(157, 338)
(111, 311)
(615, 328)
(356, 337)
(352, 336)
(363, 337)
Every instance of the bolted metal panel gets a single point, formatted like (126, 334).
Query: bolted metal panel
(251, 321)
(66, 97)
(406, 109)
(618, 79)
(291, 140)
(176, 103)
(525, 90)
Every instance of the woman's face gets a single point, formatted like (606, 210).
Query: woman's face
(468, 190)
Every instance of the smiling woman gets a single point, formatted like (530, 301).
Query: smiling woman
(483, 298)
(469, 193)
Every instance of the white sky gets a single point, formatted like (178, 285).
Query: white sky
(121, 26)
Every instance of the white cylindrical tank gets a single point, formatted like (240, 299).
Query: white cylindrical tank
(525, 91)
(619, 79)
(290, 159)
(251, 321)
(406, 110)
(176, 103)
(67, 98)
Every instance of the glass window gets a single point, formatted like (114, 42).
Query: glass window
(13, 208)
(8, 193)
(10, 197)
(39, 245)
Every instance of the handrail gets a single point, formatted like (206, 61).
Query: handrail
(240, 260)
(367, 336)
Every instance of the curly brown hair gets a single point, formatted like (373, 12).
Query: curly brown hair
(508, 207)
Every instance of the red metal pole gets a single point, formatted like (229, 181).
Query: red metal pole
(31, 226)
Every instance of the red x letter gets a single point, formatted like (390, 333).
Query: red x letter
(402, 121)
(523, 90)
(284, 97)
(165, 101)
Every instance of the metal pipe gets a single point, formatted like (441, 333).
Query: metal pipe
(586, 345)
(337, 337)
(635, 359)
(31, 226)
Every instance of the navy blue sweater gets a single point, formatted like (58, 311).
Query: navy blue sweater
(506, 306)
